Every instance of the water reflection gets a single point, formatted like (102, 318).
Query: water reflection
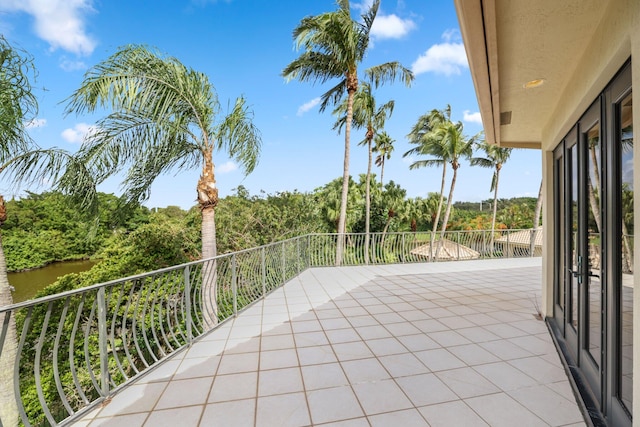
(28, 283)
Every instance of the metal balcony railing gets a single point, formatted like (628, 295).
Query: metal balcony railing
(63, 353)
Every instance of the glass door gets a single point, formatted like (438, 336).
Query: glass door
(588, 268)
(593, 270)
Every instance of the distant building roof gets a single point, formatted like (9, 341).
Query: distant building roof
(445, 249)
(522, 238)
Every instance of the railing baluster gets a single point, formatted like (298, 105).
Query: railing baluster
(56, 368)
(284, 266)
(234, 285)
(263, 272)
(36, 366)
(102, 340)
(187, 300)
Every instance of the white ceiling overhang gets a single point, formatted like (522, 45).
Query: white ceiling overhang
(512, 42)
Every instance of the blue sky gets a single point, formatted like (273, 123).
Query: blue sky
(243, 46)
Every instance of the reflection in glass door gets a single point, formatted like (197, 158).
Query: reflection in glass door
(594, 247)
(626, 270)
(594, 230)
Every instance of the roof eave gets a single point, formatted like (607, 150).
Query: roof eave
(478, 28)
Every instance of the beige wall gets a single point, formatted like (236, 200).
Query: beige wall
(607, 51)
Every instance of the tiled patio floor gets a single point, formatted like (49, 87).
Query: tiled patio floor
(439, 344)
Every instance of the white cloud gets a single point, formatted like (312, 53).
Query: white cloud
(409, 160)
(451, 35)
(35, 123)
(308, 106)
(391, 27)
(78, 133)
(70, 65)
(472, 117)
(363, 6)
(59, 22)
(227, 167)
(444, 58)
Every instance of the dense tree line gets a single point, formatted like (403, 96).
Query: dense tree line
(43, 228)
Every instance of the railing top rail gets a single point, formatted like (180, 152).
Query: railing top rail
(96, 286)
(61, 295)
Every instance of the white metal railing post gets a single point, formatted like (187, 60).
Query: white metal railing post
(102, 342)
(284, 265)
(234, 285)
(484, 245)
(187, 303)
(298, 261)
(263, 266)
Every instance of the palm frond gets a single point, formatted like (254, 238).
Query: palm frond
(239, 136)
(388, 73)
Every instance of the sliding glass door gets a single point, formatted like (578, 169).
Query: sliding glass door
(593, 269)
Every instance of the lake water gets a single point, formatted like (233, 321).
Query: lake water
(27, 283)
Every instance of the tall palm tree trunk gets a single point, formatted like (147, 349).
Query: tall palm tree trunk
(495, 206)
(367, 220)
(352, 87)
(536, 221)
(447, 212)
(438, 211)
(8, 348)
(208, 200)
(595, 210)
(434, 229)
(382, 171)
(627, 251)
(538, 210)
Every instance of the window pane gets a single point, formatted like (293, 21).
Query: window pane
(626, 295)
(594, 286)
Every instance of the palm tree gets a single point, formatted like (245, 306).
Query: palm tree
(165, 117)
(384, 147)
(366, 115)
(21, 161)
(328, 200)
(536, 220)
(423, 136)
(334, 46)
(17, 102)
(456, 146)
(496, 157)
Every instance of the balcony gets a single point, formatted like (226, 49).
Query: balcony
(298, 344)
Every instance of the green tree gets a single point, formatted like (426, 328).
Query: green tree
(164, 117)
(423, 136)
(334, 46)
(456, 146)
(393, 199)
(21, 161)
(366, 115)
(384, 147)
(17, 104)
(495, 158)
(328, 197)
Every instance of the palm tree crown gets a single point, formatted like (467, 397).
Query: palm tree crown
(495, 158)
(423, 136)
(163, 118)
(384, 147)
(333, 47)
